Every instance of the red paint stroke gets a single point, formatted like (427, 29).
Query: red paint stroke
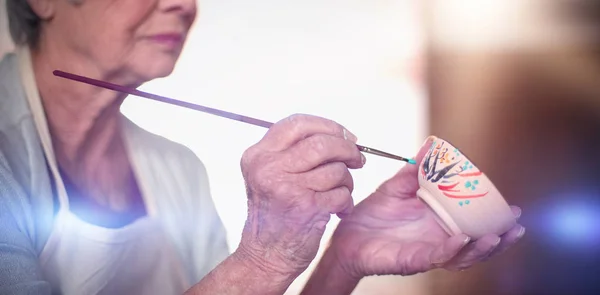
(470, 174)
(447, 187)
(464, 197)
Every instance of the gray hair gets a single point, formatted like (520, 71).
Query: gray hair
(23, 23)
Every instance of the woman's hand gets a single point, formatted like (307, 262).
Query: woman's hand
(296, 177)
(393, 232)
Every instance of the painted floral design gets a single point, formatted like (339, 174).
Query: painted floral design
(454, 175)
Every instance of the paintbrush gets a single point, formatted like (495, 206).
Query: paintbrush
(200, 108)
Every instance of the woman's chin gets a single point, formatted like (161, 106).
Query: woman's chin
(163, 72)
(155, 71)
(149, 65)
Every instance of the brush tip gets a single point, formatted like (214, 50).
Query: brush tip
(412, 161)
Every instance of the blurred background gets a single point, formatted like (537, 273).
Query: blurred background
(515, 84)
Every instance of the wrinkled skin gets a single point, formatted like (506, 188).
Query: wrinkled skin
(296, 177)
(393, 232)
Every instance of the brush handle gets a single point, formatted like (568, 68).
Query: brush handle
(180, 103)
(216, 112)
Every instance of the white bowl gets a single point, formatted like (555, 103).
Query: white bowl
(463, 198)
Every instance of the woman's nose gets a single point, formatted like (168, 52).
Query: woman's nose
(185, 7)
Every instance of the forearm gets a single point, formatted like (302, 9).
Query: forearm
(329, 278)
(240, 275)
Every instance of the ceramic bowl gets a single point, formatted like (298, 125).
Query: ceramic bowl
(463, 198)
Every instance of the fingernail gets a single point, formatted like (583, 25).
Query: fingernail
(429, 138)
(363, 159)
(349, 136)
(519, 214)
(521, 232)
(497, 242)
(466, 241)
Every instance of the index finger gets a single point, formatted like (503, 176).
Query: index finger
(287, 132)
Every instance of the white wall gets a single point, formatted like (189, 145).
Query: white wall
(344, 60)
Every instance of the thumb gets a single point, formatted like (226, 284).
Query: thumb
(406, 182)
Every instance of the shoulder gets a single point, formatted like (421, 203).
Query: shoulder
(11, 89)
(18, 258)
(9, 74)
(7, 63)
(15, 211)
(18, 136)
(14, 108)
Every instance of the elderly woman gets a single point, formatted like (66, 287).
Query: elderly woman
(92, 204)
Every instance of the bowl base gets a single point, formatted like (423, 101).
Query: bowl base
(441, 216)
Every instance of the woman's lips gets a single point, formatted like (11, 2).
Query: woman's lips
(169, 40)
